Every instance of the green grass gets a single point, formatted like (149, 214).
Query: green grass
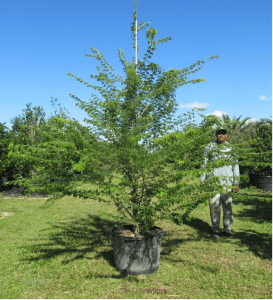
(64, 251)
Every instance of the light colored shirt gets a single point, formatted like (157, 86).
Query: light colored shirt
(229, 174)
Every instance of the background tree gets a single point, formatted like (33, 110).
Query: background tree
(23, 127)
(238, 130)
(30, 132)
(23, 133)
(261, 148)
(6, 166)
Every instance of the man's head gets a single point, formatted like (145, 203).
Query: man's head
(221, 135)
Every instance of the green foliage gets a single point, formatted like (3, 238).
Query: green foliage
(238, 130)
(5, 139)
(61, 148)
(22, 133)
(139, 110)
(23, 126)
(131, 114)
(262, 147)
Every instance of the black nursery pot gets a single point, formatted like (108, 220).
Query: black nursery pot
(263, 182)
(136, 255)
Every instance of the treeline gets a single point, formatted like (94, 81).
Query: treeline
(57, 144)
(31, 132)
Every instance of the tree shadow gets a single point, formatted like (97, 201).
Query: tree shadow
(89, 238)
(78, 238)
(256, 210)
(203, 228)
(203, 232)
(260, 244)
(84, 238)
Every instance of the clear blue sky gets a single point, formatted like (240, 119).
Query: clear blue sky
(40, 41)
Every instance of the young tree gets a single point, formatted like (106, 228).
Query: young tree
(131, 109)
(131, 114)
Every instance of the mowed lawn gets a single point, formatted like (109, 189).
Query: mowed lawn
(65, 251)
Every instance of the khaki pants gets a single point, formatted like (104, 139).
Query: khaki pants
(215, 212)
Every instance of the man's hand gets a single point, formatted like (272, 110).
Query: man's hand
(236, 190)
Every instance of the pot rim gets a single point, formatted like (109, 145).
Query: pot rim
(140, 237)
(261, 175)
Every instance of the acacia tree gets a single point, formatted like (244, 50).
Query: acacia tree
(131, 113)
(131, 109)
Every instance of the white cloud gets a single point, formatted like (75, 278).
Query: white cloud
(218, 113)
(194, 105)
(264, 98)
(252, 120)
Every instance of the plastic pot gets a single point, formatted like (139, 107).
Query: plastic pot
(263, 182)
(137, 254)
(251, 177)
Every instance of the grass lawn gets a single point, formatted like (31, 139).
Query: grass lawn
(64, 251)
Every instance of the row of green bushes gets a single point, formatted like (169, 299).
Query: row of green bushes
(33, 129)
(29, 131)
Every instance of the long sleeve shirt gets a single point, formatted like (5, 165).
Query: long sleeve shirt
(229, 174)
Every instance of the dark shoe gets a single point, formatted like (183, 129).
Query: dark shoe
(216, 235)
(228, 235)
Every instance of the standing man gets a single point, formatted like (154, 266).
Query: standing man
(229, 175)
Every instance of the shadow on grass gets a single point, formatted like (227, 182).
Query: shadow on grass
(255, 210)
(79, 238)
(260, 244)
(203, 232)
(89, 238)
(203, 228)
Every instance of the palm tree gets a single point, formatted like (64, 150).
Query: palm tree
(238, 130)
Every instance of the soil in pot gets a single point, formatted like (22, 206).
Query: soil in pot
(136, 253)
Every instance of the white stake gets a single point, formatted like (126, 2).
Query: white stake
(136, 42)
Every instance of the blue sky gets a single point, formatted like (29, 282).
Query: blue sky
(40, 41)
